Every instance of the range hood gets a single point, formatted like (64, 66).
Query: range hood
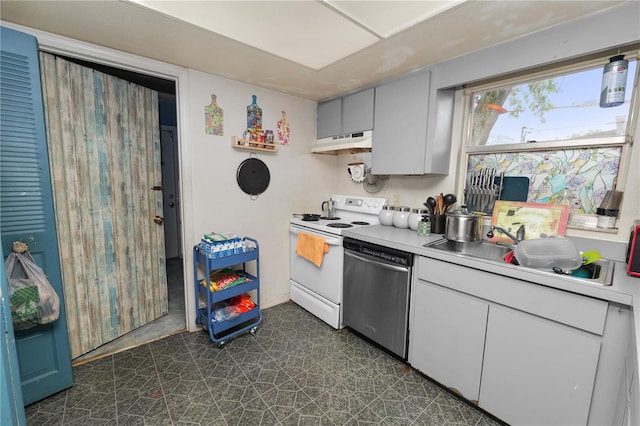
(342, 144)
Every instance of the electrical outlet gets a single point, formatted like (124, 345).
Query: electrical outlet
(395, 200)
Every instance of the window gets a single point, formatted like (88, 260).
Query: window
(560, 108)
(550, 128)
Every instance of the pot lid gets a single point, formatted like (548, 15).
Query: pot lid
(462, 213)
(253, 176)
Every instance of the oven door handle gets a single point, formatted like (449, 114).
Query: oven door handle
(330, 241)
(377, 262)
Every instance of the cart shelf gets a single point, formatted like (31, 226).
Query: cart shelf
(221, 331)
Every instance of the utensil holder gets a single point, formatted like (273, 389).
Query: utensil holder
(438, 223)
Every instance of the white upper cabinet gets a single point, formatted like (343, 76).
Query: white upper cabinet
(412, 127)
(329, 118)
(357, 111)
(348, 114)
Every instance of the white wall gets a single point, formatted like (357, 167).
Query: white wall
(299, 180)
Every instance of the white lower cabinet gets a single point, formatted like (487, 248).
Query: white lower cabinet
(526, 353)
(450, 331)
(536, 371)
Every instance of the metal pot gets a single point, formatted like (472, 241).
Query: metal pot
(463, 227)
(331, 208)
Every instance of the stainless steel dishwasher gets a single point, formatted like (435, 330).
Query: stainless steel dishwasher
(376, 293)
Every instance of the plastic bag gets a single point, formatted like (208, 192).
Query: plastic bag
(223, 311)
(33, 300)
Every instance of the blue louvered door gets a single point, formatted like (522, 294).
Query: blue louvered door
(11, 405)
(26, 208)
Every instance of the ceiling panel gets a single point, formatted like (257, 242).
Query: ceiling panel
(386, 18)
(305, 32)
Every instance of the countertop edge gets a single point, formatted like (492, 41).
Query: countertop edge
(625, 290)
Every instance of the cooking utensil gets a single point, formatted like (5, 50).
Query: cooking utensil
(307, 216)
(515, 188)
(449, 200)
(253, 176)
(431, 203)
(331, 208)
(463, 227)
(440, 204)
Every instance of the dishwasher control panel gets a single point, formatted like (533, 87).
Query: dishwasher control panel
(385, 253)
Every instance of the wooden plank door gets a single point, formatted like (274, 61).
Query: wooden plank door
(104, 145)
(26, 209)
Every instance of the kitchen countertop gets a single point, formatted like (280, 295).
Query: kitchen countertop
(624, 290)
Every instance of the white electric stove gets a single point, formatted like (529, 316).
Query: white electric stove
(319, 289)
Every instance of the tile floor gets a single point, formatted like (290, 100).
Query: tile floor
(296, 370)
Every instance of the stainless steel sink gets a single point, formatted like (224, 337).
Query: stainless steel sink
(600, 272)
(482, 250)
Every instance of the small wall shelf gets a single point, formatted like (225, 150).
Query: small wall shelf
(240, 143)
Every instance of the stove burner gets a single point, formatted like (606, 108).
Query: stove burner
(329, 218)
(339, 225)
(359, 222)
(310, 219)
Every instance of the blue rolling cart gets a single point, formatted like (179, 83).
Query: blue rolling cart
(222, 331)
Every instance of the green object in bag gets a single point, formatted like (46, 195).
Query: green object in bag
(24, 304)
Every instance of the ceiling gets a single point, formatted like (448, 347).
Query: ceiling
(311, 49)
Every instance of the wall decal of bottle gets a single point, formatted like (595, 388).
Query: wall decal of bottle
(213, 118)
(254, 115)
(284, 130)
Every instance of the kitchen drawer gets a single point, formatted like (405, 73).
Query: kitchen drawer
(578, 311)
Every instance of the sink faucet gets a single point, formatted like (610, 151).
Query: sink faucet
(519, 233)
